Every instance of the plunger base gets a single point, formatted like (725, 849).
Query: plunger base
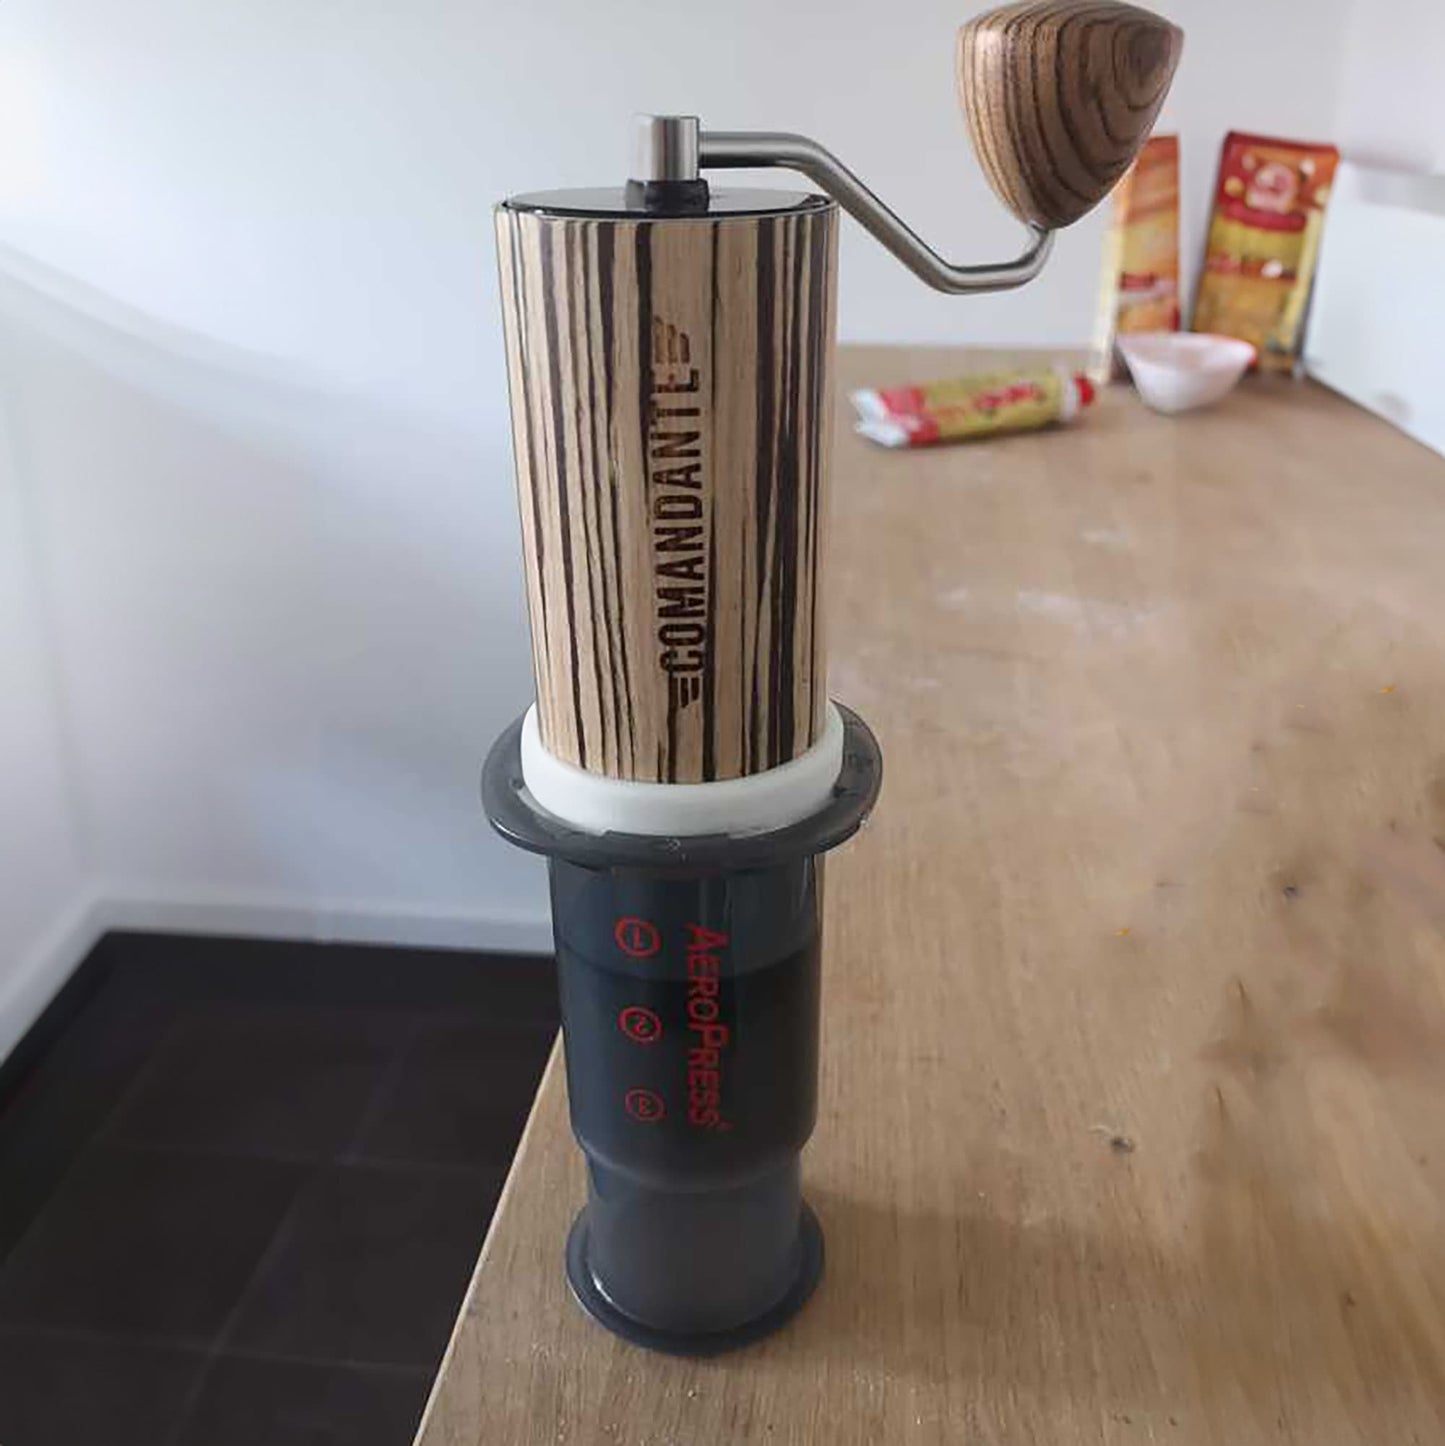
(590, 1297)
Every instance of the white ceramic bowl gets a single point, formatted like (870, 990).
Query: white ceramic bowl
(1177, 371)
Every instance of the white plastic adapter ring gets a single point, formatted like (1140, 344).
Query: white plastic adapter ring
(737, 806)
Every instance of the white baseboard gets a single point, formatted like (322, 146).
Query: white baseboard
(328, 921)
(40, 973)
(45, 968)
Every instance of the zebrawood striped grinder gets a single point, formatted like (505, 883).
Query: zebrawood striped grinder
(670, 348)
(670, 353)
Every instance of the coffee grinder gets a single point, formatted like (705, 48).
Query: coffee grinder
(684, 771)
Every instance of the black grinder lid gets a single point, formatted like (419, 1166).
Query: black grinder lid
(634, 203)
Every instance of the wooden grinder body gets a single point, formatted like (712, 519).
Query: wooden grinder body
(671, 395)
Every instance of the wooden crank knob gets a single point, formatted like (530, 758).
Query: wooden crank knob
(1059, 96)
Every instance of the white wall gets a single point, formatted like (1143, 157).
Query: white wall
(1392, 102)
(313, 182)
(285, 631)
(44, 921)
(247, 292)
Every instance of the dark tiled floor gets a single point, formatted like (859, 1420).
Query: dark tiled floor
(321, 1068)
(63, 1390)
(302, 1403)
(243, 1186)
(367, 1266)
(438, 1109)
(148, 1243)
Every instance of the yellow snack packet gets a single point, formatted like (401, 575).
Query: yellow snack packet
(1259, 261)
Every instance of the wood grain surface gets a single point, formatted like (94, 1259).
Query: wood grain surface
(1131, 1122)
(1059, 96)
(671, 408)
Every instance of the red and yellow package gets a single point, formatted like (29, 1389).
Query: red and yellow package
(1139, 290)
(984, 405)
(1264, 237)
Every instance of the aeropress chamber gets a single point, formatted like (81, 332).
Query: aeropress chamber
(684, 772)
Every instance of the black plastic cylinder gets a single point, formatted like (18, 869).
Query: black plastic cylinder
(690, 1014)
(690, 975)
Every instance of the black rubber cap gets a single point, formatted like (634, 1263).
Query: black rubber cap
(712, 1343)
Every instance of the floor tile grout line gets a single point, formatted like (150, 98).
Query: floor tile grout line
(228, 1325)
(95, 1136)
(148, 1067)
(195, 1348)
(220, 1344)
(106, 1129)
(390, 1163)
(387, 1079)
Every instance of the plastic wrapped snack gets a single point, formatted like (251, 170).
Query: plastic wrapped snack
(974, 406)
(1269, 211)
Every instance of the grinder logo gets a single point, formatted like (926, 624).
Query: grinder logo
(679, 527)
(708, 1036)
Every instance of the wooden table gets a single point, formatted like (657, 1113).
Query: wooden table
(1133, 1100)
